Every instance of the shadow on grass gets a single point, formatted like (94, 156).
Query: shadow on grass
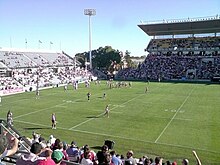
(96, 147)
(33, 128)
(89, 117)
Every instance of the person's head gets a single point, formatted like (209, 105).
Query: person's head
(112, 152)
(185, 162)
(60, 145)
(73, 144)
(168, 162)
(151, 160)
(57, 141)
(65, 145)
(86, 148)
(57, 156)
(130, 153)
(36, 148)
(104, 148)
(158, 160)
(147, 161)
(48, 152)
(107, 159)
(174, 163)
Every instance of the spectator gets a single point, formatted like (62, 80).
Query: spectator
(73, 152)
(146, 161)
(91, 154)
(115, 159)
(56, 144)
(33, 157)
(51, 140)
(4, 142)
(107, 159)
(57, 156)
(158, 160)
(101, 155)
(185, 162)
(48, 160)
(174, 163)
(130, 159)
(9, 118)
(86, 159)
(65, 155)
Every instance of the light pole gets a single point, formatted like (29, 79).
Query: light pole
(90, 12)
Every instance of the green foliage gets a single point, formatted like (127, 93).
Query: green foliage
(102, 58)
(171, 120)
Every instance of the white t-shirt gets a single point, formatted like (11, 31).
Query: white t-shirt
(86, 162)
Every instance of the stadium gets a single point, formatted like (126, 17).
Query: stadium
(177, 114)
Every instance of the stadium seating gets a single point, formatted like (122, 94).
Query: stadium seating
(178, 59)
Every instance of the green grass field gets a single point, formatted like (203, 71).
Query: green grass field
(171, 120)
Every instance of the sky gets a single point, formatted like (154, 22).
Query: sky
(62, 25)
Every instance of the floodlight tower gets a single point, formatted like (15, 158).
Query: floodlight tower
(90, 12)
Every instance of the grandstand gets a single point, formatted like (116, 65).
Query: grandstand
(187, 49)
(23, 70)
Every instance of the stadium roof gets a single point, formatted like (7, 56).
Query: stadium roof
(181, 27)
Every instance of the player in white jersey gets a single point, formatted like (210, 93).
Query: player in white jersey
(107, 110)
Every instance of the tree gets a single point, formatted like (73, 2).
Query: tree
(130, 63)
(104, 58)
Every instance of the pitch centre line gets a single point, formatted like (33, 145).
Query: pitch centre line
(174, 115)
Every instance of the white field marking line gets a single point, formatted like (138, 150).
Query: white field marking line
(46, 108)
(144, 141)
(38, 111)
(174, 115)
(30, 98)
(103, 113)
(120, 137)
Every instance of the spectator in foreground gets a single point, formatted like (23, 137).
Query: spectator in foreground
(158, 161)
(33, 157)
(4, 142)
(115, 160)
(48, 160)
(91, 154)
(147, 161)
(130, 159)
(73, 152)
(57, 156)
(101, 155)
(185, 162)
(86, 160)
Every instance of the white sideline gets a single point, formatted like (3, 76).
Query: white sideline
(121, 137)
(175, 115)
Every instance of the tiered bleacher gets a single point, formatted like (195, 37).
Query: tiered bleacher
(25, 70)
(180, 54)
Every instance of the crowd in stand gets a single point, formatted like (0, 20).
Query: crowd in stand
(45, 77)
(54, 151)
(178, 58)
(8, 83)
(174, 67)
